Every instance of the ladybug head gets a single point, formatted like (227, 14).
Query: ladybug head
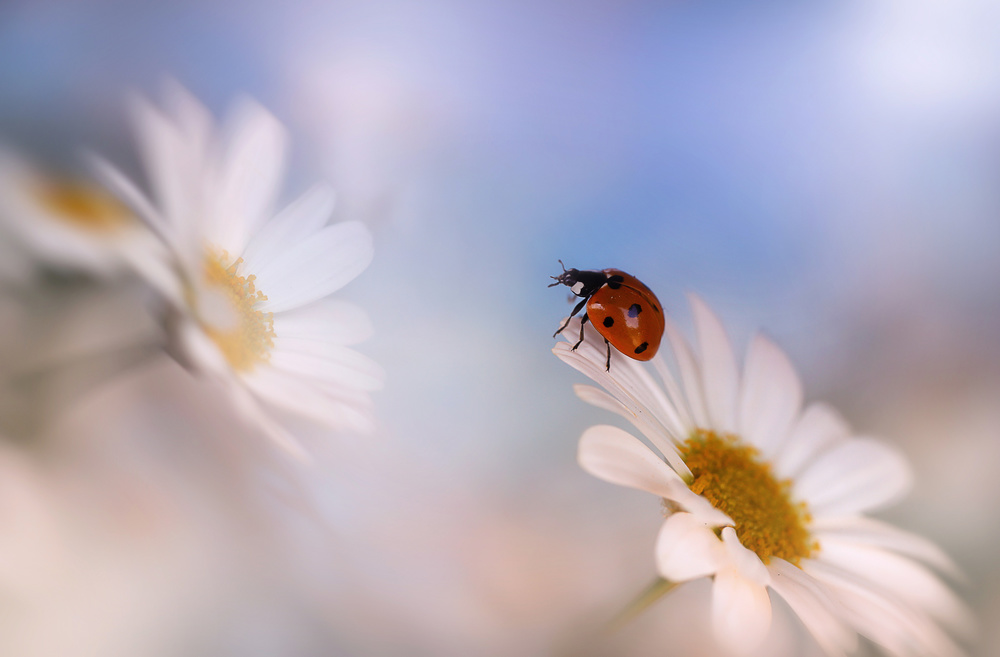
(581, 283)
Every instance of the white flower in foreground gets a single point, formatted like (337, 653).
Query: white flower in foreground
(760, 494)
(250, 287)
(65, 223)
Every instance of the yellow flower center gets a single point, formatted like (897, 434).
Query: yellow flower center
(731, 476)
(226, 310)
(83, 206)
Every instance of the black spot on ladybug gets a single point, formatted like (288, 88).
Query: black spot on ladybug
(641, 348)
(609, 321)
(634, 310)
(615, 282)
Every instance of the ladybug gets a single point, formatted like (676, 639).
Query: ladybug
(620, 307)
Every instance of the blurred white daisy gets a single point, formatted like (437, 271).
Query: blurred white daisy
(759, 493)
(249, 286)
(65, 223)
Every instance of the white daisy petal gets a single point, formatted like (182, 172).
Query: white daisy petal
(301, 397)
(128, 192)
(745, 561)
(627, 374)
(312, 269)
(618, 457)
(251, 410)
(893, 624)
(634, 411)
(348, 410)
(855, 476)
(192, 118)
(690, 376)
(152, 264)
(875, 533)
(332, 364)
(720, 376)
(159, 143)
(632, 375)
(674, 394)
(602, 399)
(295, 223)
(171, 160)
(328, 320)
(196, 351)
(818, 428)
(687, 549)
(741, 612)
(820, 613)
(195, 129)
(770, 397)
(900, 576)
(645, 419)
(252, 168)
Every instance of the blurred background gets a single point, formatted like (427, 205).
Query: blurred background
(825, 172)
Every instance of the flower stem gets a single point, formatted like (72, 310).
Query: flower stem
(653, 592)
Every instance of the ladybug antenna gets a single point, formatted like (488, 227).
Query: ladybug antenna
(561, 279)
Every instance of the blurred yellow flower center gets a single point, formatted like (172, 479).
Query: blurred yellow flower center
(83, 206)
(732, 477)
(226, 309)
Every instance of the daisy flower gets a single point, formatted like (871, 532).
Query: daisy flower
(249, 287)
(766, 497)
(65, 223)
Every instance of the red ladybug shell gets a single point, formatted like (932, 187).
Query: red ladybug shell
(628, 315)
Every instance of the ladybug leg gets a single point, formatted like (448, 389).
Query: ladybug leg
(566, 323)
(583, 321)
(607, 364)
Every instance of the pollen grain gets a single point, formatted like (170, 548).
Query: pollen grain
(83, 206)
(249, 342)
(731, 475)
